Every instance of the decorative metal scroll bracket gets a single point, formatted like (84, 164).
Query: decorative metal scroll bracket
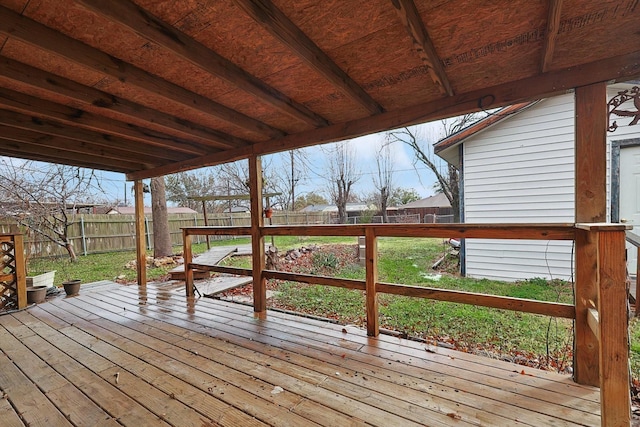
(618, 101)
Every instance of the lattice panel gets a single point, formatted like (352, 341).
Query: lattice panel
(8, 275)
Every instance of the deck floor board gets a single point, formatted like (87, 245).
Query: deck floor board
(208, 362)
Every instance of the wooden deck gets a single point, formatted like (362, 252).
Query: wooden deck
(118, 355)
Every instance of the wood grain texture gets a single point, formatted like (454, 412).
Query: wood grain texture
(281, 27)
(408, 14)
(34, 33)
(313, 279)
(216, 359)
(551, 33)
(99, 102)
(614, 336)
(21, 270)
(586, 345)
(494, 301)
(590, 152)
(153, 29)
(141, 245)
(371, 279)
(257, 240)
(187, 254)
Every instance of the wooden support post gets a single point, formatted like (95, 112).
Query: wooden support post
(21, 270)
(615, 396)
(187, 255)
(371, 266)
(257, 240)
(590, 207)
(141, 249)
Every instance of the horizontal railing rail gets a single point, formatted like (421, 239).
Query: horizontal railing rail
(485, 231)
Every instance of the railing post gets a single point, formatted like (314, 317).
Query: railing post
(371, 266)
(141, 252)
(615, 398)
(257, 240)
(187, 254)
(585, 351)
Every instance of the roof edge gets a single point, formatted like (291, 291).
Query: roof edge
(502, 114)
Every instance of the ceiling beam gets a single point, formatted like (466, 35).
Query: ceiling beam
(19, 140)
(131, 149)
(551, 34)
(176, 126)
(110, 155)
(552, 83)
(42, 37)
(100, 127)
(277, 24)
(408, 14)
(155, 30)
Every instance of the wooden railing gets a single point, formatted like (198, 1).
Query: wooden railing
(601, 345)
(13, 287)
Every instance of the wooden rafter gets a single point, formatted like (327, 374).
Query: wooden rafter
(153, 29)
(551, 34)
(545, 85)
(23, 147)
(31, 32)
(87, 138)
(281, 27)
(52, 127)
(114, 152)
(408, 14)
(180, 129)
(80, 120)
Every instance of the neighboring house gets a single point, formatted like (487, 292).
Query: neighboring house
(429, 209)
(130, 210)
(517, 166)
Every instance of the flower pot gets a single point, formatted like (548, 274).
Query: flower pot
(36, 294)
(72, 287)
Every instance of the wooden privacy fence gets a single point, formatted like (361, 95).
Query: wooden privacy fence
(600, 315)
(92, 233)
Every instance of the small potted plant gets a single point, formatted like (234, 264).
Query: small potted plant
(72, 287)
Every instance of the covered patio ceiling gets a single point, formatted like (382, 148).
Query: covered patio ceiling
(150, 87)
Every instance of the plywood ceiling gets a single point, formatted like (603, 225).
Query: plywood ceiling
(151, 87)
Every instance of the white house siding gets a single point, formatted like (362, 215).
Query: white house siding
(522, 170)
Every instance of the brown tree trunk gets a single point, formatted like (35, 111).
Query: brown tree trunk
(161, 237)
(72, 254)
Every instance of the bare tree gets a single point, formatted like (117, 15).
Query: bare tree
(234, 178)
(161, 235)
(44, 198)
(343, 174)
(181, 186)
(447, 176)
(287, 179)
(383, 181)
